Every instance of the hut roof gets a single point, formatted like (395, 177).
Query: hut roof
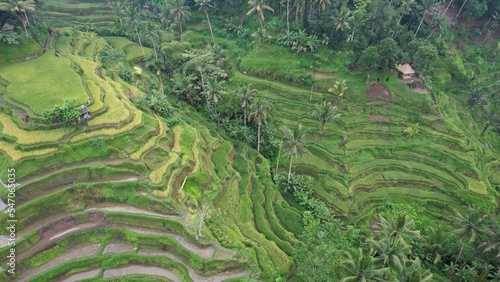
(7, 27)
(406, 69)
(84, 110)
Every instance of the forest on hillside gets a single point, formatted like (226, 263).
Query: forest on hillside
(282, 134)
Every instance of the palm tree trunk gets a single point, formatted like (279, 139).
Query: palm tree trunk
(210, 26)
(258, 138)
(140, 42)
(446, 10)
(290, 168)
(461, 9)
(244, 117)
(420, 24)
(278, 160)
(484, 130)
(26, 17)
(461, 249)
(288, 16)
(322, 127)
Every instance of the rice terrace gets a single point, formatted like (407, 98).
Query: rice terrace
(230, 140)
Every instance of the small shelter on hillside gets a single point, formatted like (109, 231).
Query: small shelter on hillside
(8, 27)
(406, 71)
(84, 113)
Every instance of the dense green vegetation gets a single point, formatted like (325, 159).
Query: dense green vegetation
(252, 140)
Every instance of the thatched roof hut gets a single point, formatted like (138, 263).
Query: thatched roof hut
(406, 71)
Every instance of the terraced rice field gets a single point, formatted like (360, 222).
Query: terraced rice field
(116, 196)
(104, 199)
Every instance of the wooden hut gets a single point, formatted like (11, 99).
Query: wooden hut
(406, 71)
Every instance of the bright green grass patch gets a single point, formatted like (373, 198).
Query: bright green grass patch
(26, 47)
(44, 82)
(118, 42)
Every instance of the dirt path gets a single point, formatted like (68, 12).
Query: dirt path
(192, 273)
(117, 248)
(201, 252)
(82, 275)
(139, 269)
(80, 251)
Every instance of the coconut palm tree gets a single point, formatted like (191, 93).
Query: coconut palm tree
(392, 250)
(294, 144)
(397, 226)
(490, 116)
(427, 7)
(326, 112)
(245, 95)
(435, 242)
(118, 8)
(184, 86)
(19, 7)
(412, 272)
(178, 12)
(259, 112)
(339, 88)
(468, 225)
(362, 266)
(259, 7)
(213, 92)
(205, 5)
(131, 19)
(405, 8)
(343, 18)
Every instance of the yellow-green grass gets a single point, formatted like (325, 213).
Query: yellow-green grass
(25, 137)
(136, 121)
(17, 155)
(44, 82)
(25, 48)
(118, 42)
(117, 112)
(151, 142)
(156, 175)
(95, 93)
(134, 51)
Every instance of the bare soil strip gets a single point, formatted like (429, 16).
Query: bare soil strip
(192, 273)
(80, 251)
(139, 269)
(118, 248)
(82, 275)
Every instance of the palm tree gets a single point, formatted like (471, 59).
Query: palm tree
(213, 92)
(490, 116)
(397, 226)
(131, 19)
(493, 232)
(19, 7)
(342, 20)
(339, 88)
(294, 144)
(405, 8)
(392, 250)
(178, 12)
(436, 241)
(413, 272)
(118, 7)
(322, 3)
(245, 95)
(184, 86)
(427, 7)
(362, 267)
(477, 96)
(260, 7)
(467, 225)
(259, 112)
(205, 4)
(325, 113)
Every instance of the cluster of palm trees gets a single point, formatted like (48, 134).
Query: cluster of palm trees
(398, 251)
